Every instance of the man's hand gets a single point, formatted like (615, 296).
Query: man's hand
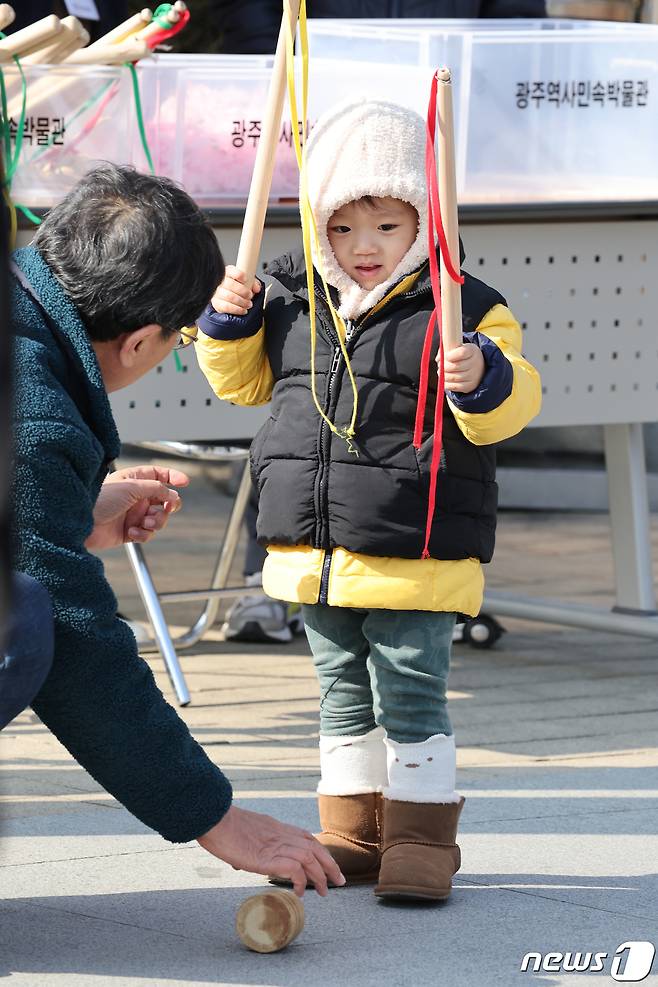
(263, 845)
(464, 368)
(233, 297)
(134, 504)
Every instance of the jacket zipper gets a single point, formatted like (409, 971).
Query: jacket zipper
(357, 326)
(324, 578)
(324, 441)
(324, 434)
(351, 330)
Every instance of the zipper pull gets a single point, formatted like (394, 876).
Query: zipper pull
(349, 329)
(335, 361)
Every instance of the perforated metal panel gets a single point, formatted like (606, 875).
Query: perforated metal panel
(586, 294)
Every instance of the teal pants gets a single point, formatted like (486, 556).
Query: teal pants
(384, 668)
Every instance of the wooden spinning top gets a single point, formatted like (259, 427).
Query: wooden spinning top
(269, 921)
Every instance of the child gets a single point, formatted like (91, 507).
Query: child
(345, 532)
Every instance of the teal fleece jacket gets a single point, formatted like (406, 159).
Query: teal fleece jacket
(100, 699)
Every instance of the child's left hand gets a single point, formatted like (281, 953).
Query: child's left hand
(464, 368)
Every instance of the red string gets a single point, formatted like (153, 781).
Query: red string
(432, 186)
(435, 224)
(424, 379)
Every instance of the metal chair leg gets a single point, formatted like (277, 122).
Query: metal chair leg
(151, 603)
(224, 562)
(220, 575)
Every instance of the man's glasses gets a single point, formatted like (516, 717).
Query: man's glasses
(184, 339)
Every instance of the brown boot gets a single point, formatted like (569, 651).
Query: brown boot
(351, 832)
(419, 851)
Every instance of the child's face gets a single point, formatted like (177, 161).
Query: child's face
(369, 241)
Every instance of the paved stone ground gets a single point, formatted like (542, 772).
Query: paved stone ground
(558, 755)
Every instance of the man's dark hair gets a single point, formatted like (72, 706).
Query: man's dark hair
(130, 250)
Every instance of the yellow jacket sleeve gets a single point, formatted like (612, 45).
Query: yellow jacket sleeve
(523, 402)
(237, 369)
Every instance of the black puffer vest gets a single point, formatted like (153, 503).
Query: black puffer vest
(313, 491)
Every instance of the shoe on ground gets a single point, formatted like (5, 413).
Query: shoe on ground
(351, 832)
(420, 854)
(257, 619)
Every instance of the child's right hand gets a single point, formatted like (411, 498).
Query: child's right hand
(233, 297)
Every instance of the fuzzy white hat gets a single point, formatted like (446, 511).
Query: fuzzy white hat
(368, 147)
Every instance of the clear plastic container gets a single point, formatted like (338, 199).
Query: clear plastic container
(545, 111)
(204, 120)
(562, 119)
(76, 117)
(175, 126)
(79, 116)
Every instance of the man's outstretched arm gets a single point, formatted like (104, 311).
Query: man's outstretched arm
(101, 700)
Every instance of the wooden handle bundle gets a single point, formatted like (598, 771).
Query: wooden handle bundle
(38, 35)
(261, 180)
(72, 36)
(130, 50)
(451, 295)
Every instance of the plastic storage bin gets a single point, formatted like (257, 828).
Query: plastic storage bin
(203, 119)
(75, 118)
(546, 111)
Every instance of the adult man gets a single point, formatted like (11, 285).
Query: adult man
(117, 267)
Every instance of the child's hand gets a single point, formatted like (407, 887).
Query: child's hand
(464, 368)
(233, 297)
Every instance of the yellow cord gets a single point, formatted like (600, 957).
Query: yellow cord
(309, 226)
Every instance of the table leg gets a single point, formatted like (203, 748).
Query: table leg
(629, 517)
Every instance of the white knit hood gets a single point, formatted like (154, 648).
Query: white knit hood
(368, 147)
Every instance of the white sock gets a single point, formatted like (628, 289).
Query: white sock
(353, 765)
(422, 772)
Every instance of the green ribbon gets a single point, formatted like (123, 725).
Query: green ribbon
(145, 144)
(159, 15)
(140, 116)
(12, 160)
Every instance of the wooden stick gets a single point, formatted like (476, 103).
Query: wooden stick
(72, 36)
(155, 27)
(7, 16)
(38, 35)
(127, 51)
(123, 31)
(451, 292)
(261, 179)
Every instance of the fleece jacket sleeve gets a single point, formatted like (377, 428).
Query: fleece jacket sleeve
(100, 698)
